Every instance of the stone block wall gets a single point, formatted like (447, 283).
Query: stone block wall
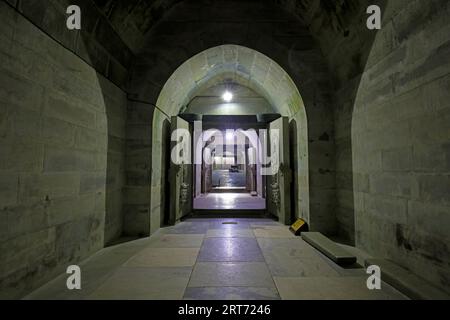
(97, 42)
(400, 141)
(391, 121)
(55, 115)
(391, 129)
(138, 170)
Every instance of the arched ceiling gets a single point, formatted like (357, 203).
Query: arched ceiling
(239, 64)
(134, 19)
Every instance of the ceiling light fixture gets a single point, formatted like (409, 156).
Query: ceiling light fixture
(227, 96)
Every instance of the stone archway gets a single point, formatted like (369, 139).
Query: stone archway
(246, 67)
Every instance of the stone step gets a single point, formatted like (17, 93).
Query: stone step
(406, 282)
(329, 248)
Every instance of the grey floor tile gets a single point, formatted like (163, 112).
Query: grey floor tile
(144, 283)
(217, 274)
(231, 293)
(187, 227)
(229, 224)
(230, 233)
(332, 288)
(164, 257)
(292, 246)
(289, 266)
(263, 231)
(177, 241)
(230, 249)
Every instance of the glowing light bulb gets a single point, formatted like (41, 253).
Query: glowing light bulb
(227, 96)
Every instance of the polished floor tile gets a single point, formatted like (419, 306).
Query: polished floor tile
(231, 293)
(292, 246)
(177, 241)
(187, 228)
(230, 233)
(164, 257)
(332, 288)
(144, 283)
(294, 258)
(282, 265)
(270, 231)
(263, 222)
(230, 249)
(229, 224)
(229, 274)
(223, 201)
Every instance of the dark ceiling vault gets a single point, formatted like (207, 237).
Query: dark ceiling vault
(133, 19)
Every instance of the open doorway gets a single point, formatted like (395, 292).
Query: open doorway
(230, 156)
(227, 177)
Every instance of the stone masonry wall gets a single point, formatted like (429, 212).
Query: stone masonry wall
(55, 115)
(400, 141)
(392, 128)
(97, 42)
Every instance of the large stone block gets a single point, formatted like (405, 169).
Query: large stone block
(64, 108)
(67, 159)
(438, 94)
(26, 218)
(117, 127)
(116, 145)
(137, 195)
(66, 209)
(9, 184)
(398, 185)
(17, 90)
(435, 188)
(40, 187)
(56, 132)
(136, 220)
(429, 217)
(92, 182)
(424, 70)
(21, 156)
(430, 128)
(397, 160)
(90, 140)
(360, 182)
(24, 123)
(386, 207)
(140, 113)
(431, 158)
(142, 132)
(25, 250)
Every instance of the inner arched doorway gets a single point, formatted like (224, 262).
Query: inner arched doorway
(246, 68)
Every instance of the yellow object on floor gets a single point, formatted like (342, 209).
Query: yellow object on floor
(298, 227)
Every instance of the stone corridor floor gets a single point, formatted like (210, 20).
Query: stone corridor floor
(224, 201)
(216, 259)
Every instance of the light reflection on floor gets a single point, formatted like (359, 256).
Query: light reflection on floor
(224, 201)
(225, 178)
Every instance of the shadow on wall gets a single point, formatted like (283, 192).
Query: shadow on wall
(165, 176)
(111, 83)
(293, 153)
(347, 59)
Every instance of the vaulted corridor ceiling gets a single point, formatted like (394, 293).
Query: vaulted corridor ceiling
(86, 119)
